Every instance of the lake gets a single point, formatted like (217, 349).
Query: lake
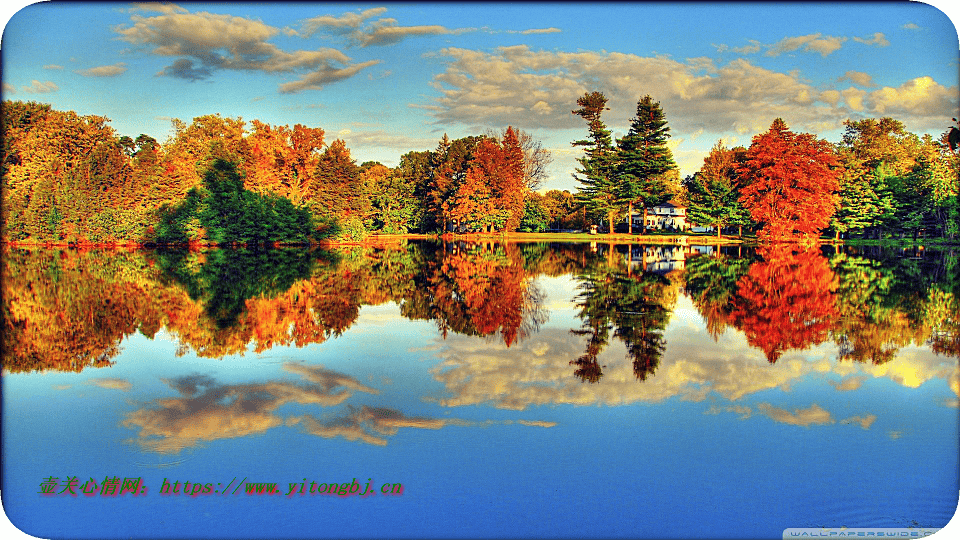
(479, 390)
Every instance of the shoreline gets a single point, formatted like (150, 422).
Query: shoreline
(374, 239)
(386, 239)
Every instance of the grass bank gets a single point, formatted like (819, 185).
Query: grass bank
(619, 238)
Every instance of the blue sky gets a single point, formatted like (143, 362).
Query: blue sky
(390, 78)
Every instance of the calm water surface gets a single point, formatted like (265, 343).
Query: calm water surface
(565, 390)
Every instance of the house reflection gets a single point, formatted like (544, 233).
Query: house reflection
(666, 258)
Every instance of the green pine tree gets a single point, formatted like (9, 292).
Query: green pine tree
(643, 158)
(599, 191)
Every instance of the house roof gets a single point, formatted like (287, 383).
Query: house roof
(670, 204)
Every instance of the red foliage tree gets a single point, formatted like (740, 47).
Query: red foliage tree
(791, 183)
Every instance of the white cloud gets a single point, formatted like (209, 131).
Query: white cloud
(831, 97)
(113, 384)
(850, 383)
(37, 87)
(322, 77)
(815, 414)
(813, 42)
(550, 30)
(921, 97)
(158, 7)
(877, 39)
(385, 32)
(818, 43)
(538, 89)
(857, 77)
(384, 139)
(854, 98)
(207, 42)
(104, 71)
(864, 421)
(340, 24)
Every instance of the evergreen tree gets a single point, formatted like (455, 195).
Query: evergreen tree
(860, 206)
(599, 193)
(643, 158)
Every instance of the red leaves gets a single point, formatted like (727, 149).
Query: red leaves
(791, 183)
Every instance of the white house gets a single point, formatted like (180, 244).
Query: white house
(669, 215)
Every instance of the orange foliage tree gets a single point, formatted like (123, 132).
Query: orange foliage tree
(512, 186)
(791, 183)
(284, 161)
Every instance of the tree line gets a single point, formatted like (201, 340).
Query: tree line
(880, 180)
(71, 179)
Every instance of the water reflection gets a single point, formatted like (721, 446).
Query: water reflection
(224, 279)
(476, 290)
(812, 377)
(68, 309)
(635, 306)
(208, 411)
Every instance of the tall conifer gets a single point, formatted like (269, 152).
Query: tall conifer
(599, 191)
(643, 158)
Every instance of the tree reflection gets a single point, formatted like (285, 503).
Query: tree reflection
(786, 301)
(224, 279)
(634, 305)
(67, 309)
(712, 283)
(478, 290)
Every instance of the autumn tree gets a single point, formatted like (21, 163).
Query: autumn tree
(936, 184)
(510, 186)
(536, 213)
(194, 147)
(284, 161)
(564, 210)
(643, 159)
(599, 191)
(949, 211)
(879, 154)
(536, 158)
(491, 194)
(449, 164)
(790, 183)
(713, 192)
(859, 206)
(392, 197)
(414, 170)
(337, 194)
(66, 177)
(473, 202)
